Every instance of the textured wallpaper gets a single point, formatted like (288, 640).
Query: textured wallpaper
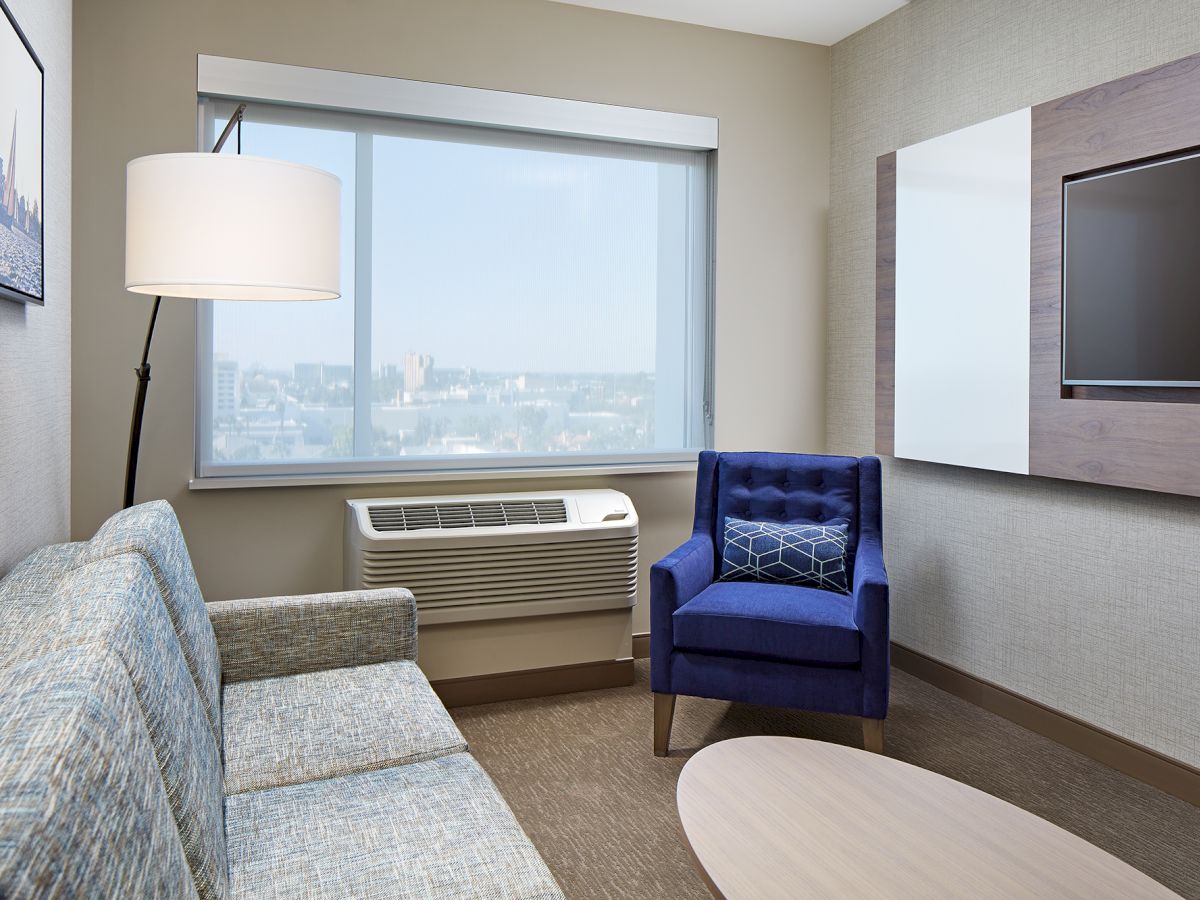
(35, 342)
(1084, 598)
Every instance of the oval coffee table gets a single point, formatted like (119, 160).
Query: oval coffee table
(776, 817)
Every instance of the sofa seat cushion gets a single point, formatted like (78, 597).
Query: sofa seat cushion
(298, 728)
(770, 621)
(433, 829)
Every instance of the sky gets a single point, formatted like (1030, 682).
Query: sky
(20, 93)
(482, 256)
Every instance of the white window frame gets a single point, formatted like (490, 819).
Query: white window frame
(220, 78)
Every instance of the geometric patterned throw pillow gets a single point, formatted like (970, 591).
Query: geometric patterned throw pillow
(811, 555)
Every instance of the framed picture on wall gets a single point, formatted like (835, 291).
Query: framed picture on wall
(22, 113)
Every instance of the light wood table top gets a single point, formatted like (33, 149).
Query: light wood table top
(777, 817)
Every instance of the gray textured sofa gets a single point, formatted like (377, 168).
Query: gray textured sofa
(152, 745)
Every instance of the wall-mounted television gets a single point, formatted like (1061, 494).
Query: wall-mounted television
(1131, 275)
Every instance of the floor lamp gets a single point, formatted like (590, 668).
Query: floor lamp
(222, 227)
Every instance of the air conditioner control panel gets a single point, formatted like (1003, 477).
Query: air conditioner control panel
(603, 506)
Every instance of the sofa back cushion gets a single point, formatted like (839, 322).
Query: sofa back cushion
(787, 488)
(85, 812)
(114, 603)
(29, 586)
(152, 531)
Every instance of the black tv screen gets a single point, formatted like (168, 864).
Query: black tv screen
(1131, 275)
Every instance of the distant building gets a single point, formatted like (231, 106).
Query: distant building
(335, 375)
(314, 375)
(307, 375)
(9, 199)
(416, 371)
(225, 379)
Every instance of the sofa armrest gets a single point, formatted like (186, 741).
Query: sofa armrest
(871, 613)
(674, 580)
(271, 636)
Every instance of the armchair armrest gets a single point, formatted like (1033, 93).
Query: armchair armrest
(871, 613)
(674, 580)
(870, 587)
(271, 636)
(685, 572)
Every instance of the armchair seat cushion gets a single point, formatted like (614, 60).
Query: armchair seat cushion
(770, 621)
(299, 728)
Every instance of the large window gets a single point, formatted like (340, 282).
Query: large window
(508, 300)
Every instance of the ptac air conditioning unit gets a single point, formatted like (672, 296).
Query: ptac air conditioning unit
(495, 556)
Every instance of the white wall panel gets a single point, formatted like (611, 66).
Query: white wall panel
(962, 296)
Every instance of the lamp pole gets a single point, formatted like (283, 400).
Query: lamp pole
(143, 371)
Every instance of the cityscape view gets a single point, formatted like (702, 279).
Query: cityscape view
(416, 408)
(518, 299)
(20, 227)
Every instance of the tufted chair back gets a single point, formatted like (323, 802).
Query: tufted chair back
(774, 487)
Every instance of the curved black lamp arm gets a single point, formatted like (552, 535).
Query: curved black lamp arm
(143, 371)
(139, 408)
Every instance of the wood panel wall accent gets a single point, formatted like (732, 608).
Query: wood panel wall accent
(885, 305)
(1079, 434)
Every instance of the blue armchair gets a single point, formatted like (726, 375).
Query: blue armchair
(774, 644)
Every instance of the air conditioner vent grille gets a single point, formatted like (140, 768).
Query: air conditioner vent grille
(589, 569)
(492, 514)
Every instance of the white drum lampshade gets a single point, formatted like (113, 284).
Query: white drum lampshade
(216, 227)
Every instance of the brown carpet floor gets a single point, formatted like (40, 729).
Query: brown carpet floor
(579, 773)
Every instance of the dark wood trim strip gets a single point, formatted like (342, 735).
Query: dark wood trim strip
(528, 683)
(1150, 766)
(885, 305)
(1146, 765)
(641, 646)
(1132, 394)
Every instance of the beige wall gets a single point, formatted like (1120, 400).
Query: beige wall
(135, 94)
(35, 342)
(1084, 598)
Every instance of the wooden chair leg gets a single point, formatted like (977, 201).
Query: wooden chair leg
(664, 714)
(873, 735)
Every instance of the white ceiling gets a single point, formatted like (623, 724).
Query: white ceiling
(815, 21)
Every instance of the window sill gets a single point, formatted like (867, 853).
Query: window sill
(228, 482)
